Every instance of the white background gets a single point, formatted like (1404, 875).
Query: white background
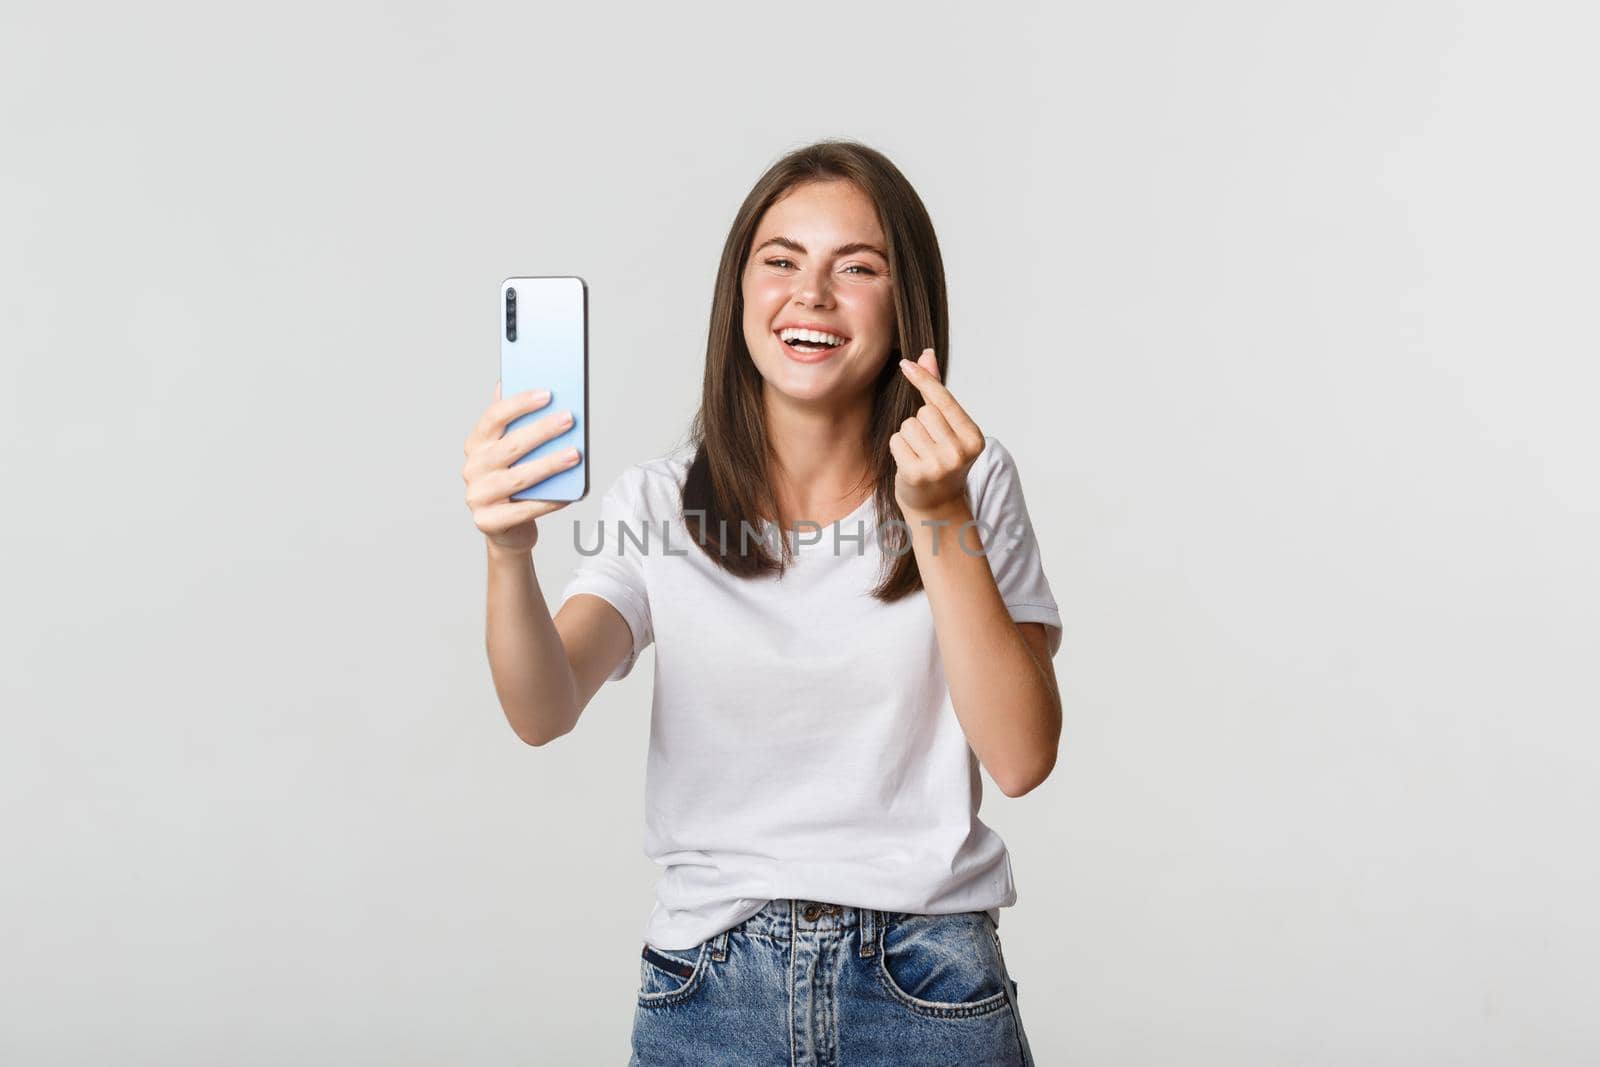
(1287, 312)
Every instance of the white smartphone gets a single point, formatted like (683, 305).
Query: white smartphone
(544, 344)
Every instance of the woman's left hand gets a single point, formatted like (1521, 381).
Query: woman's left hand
(934, 450)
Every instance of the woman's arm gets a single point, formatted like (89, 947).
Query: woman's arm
(546, 670)
(1002, 682)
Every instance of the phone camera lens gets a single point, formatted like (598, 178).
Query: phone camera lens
(511, 294)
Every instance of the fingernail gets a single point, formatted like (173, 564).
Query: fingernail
(571, 453)
(541, 395)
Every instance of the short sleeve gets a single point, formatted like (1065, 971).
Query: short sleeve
(1010, 542)
(611, 564)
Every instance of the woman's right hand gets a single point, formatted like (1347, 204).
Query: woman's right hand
(491, 477)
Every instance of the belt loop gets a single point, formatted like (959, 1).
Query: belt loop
(869, 931)
(719, 947)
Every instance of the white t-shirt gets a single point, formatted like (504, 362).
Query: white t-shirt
(802, 738)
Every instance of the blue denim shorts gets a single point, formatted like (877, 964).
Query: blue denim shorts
(805, 983)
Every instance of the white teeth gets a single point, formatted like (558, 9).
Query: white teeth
(789, 333)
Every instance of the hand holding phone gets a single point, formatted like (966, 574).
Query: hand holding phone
(493, 478)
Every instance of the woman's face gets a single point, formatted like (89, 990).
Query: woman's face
(818, 261)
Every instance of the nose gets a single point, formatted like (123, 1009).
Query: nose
(813, 289)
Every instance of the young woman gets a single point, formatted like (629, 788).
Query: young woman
(850, 614)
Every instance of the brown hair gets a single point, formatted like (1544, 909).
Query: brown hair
(728, 480)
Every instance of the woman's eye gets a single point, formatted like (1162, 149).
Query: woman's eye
(781, 261)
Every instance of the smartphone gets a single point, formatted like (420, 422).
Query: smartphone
(544, 344)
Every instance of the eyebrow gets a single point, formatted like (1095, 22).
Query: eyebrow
(842, 250)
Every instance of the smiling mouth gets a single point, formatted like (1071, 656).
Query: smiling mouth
(809, 348)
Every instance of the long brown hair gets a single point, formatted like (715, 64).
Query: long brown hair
(728, 484)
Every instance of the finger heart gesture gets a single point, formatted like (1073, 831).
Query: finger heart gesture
(934, 450)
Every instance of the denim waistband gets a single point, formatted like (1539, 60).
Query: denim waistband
(788, 917)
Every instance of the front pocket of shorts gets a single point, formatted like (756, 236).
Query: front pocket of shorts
(945, 966)
(669, 977)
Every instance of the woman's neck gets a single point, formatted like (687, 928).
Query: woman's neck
(823, 471)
